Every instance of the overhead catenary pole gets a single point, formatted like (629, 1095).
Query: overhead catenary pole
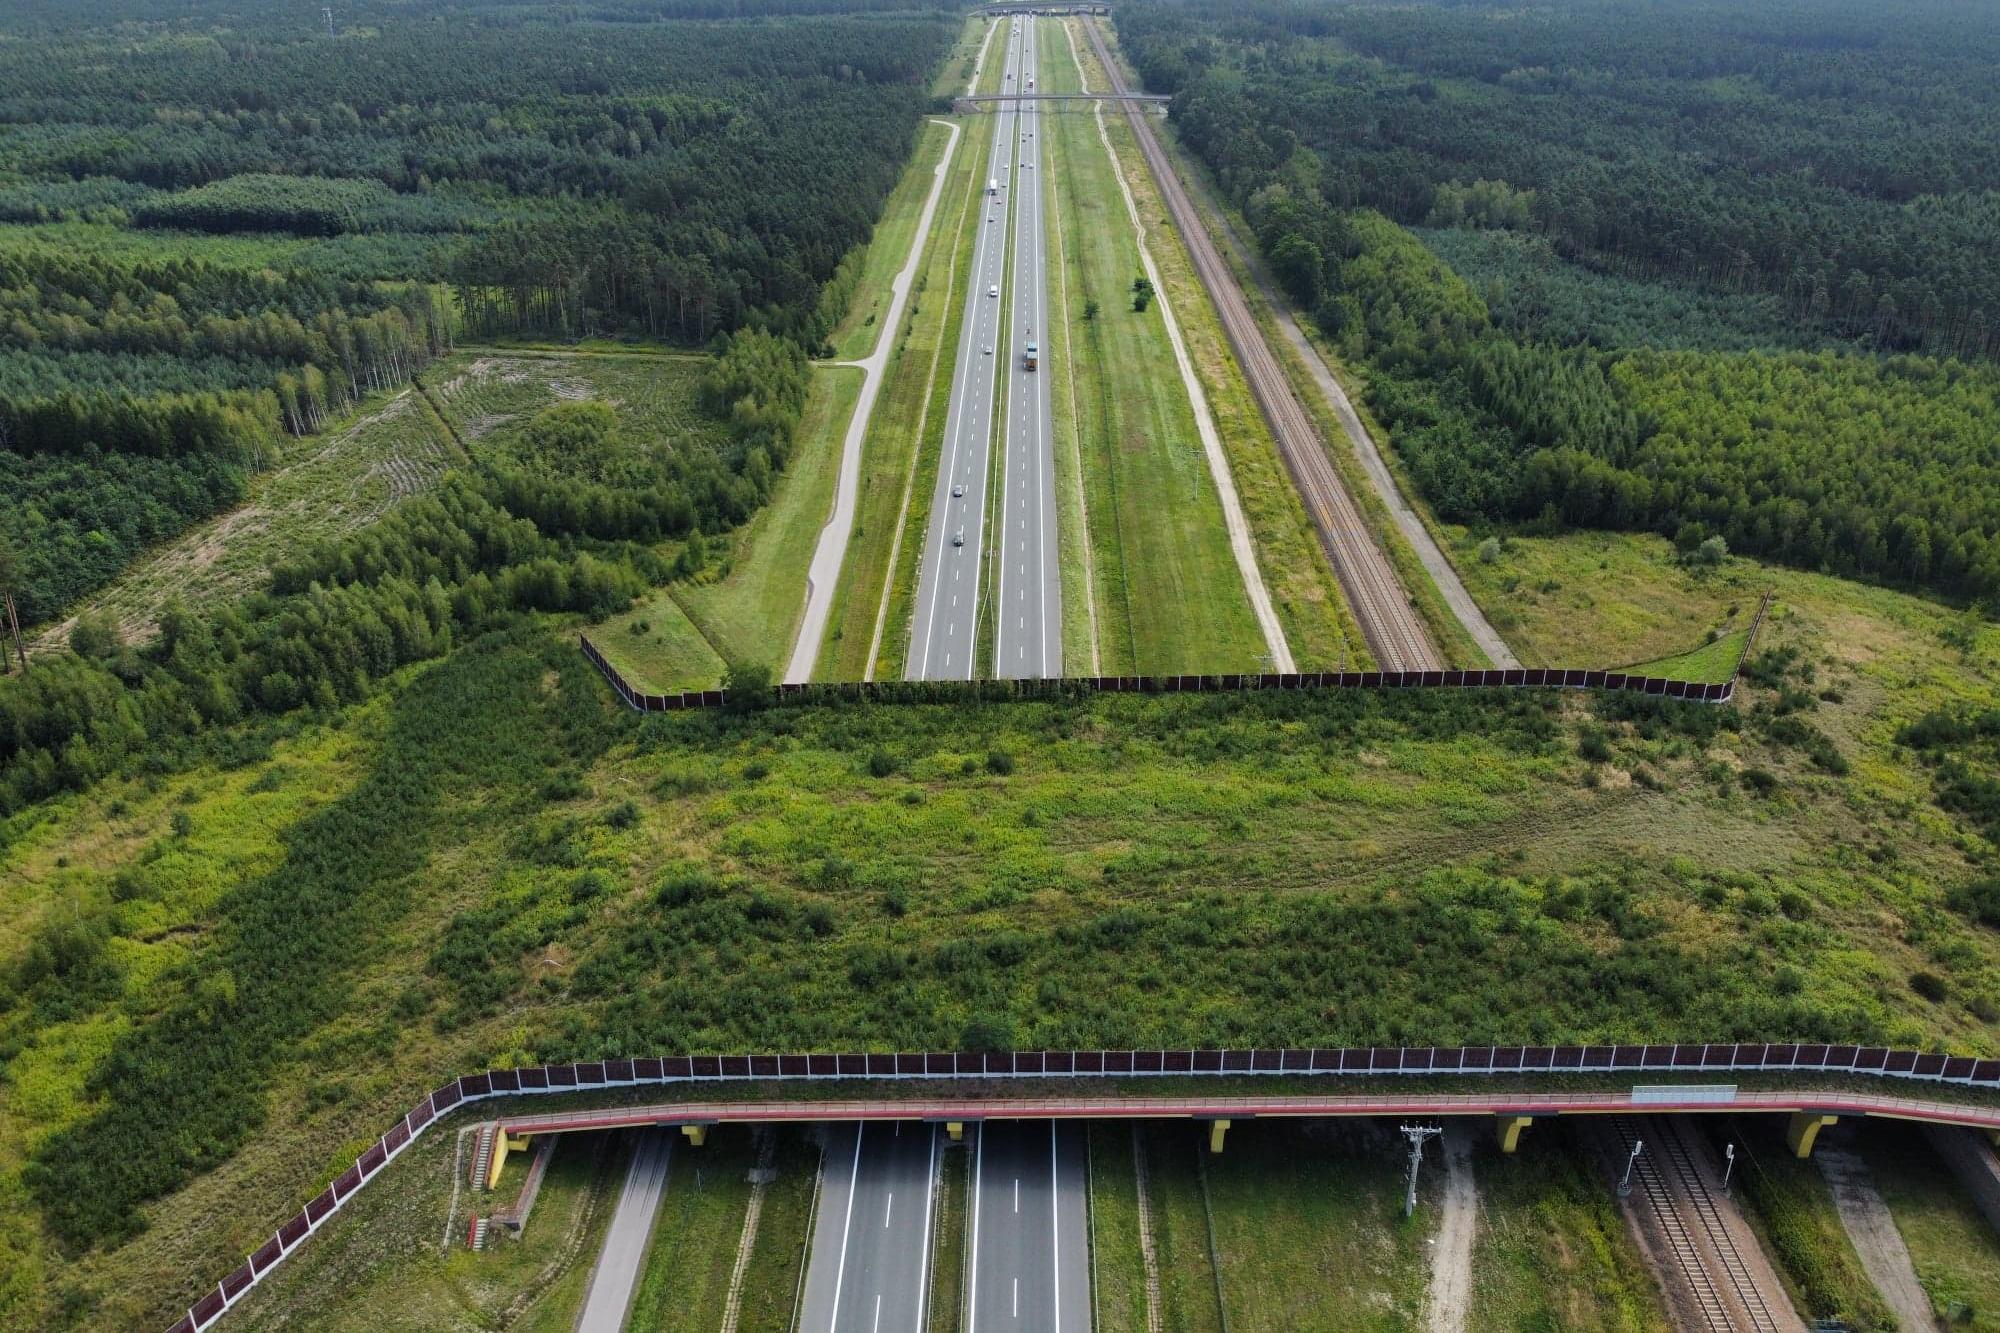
(1418, 1135)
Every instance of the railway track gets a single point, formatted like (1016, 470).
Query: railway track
(1396, 635)
(1726, 1295)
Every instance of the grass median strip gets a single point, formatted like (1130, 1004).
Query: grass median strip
(1118, 1261)
(1165, 576)
(1312, 610)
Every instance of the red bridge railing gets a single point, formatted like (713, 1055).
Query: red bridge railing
(1309, 1061)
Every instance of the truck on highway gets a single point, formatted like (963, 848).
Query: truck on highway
(992, 186)
(1028, 357)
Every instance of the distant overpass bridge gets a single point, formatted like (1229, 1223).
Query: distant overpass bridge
(1045, 9)
(992, 101)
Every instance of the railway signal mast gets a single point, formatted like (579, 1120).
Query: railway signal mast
(1418, 1135)
(1625, 1182)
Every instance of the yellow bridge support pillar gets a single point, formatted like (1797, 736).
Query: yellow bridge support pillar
(1803, 1128)
(503, 1143)
(696, 1134)
(1508, 1130)
(955, 1128)
(1216, 1129)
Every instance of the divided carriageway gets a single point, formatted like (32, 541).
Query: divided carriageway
(1395, 632)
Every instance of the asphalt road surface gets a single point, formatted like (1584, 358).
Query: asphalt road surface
(946, 624)
(617, 1273)
(870, 1268)
(1030, 1260)
(1027, 611)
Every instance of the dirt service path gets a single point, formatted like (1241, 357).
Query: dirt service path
(832, 549)
(1451, 1256)
(1867, 1221)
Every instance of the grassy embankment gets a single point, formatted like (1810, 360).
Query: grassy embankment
(748, 609)
(1790, 1207)
(784, 1234)
(1310, 605)
(1552, 1250)
(1190, 1299)
(1309, 1227)
(684, 1283)
(1954, 1249)
(1168, 592)
(899, 458)
(390, 1264)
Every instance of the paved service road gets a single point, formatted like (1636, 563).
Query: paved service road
(870, 1268)
(1027, 610)
(617, 1271)
(945, 630)
(1030, 1264)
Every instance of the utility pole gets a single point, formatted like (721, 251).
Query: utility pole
(1418, 1135)
(10, 572)
(14, 623)
(1625, 1184)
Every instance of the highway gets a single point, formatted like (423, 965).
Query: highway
(1027, 610)
(617, 1273)
(945, 629)
(870, 1268)
(1029, 1265)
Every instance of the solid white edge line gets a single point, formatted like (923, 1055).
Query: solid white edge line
(847, 1221)
(978, 1184)
(955, 417)
(924, 1266)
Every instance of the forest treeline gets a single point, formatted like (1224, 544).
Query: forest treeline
(1875, 466)
(616, 169)
(1843, 157)
(139, 397)
(609, 175)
